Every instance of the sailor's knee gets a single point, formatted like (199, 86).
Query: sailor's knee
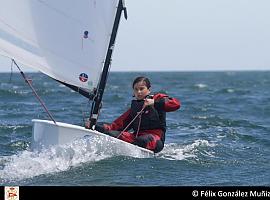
(159, 146)
(113, 133)
(143, 141)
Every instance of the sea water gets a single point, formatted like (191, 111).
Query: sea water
(219, 137)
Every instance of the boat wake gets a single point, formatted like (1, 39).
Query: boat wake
(28, 164)
(173, 151)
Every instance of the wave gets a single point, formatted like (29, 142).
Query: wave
(27, 164)
(201, 85)
(173, 151)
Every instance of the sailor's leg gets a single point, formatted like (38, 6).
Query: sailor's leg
(159, 146)
(127, 137)
(113, 133)
(100, 127)
(150, 141)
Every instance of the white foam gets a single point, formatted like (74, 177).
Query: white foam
(174, 151)
(230, 90)
(28, 164)
(201, 85)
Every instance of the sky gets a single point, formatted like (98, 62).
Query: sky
(191, 35)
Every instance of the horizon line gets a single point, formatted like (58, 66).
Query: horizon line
(146, 71)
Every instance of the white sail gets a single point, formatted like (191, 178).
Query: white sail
(70, 41)
(64, 39)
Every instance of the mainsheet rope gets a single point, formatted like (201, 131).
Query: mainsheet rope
(138, 114)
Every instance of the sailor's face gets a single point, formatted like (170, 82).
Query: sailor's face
(140, 90)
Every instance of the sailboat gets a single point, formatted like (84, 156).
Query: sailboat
(71, 42)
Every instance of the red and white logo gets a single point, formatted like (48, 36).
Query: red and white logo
(83, 77)
(11, 193)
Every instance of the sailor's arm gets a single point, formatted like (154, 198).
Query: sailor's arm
(166, 103)
(120, 123)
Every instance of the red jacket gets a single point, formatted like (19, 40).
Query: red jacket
(162, 101)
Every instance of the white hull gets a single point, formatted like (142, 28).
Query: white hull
(45, 133)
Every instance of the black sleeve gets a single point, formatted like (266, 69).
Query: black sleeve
(159, 104)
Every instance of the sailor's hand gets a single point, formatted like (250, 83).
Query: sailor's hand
(87, 124)
(149, 102)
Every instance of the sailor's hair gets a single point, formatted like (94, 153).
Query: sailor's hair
(142, 79)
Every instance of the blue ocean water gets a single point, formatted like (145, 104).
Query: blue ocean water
(219, 137)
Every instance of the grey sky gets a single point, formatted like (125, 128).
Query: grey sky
(192, 35)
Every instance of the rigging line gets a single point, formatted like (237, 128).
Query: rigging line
(139, 125)
(34, 91)
(138, 114)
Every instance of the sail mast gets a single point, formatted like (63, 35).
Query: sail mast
(103, 79)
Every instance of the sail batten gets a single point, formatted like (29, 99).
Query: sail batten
(63, 39)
